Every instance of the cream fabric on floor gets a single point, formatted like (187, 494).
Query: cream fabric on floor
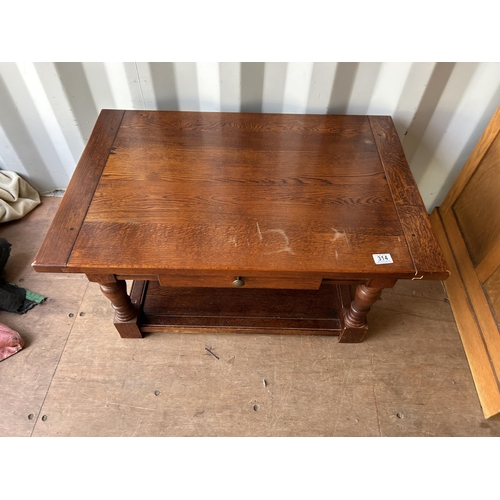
(17, 197)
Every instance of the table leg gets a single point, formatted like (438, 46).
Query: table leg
(126, 314)
(355, 325)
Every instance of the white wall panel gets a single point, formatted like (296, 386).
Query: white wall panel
(77, 87)
(425, 157)
(61, 108)
(462, 124)
(9, 160)
(47, 110)
(274, 87)
(320, 89)
(208, 86)
(297, 84)
(33, 130)
(99, 85)
(388, 88)
(186, 80)
(124, 85)
(363, 86)
(145, 78)
(230, 86)
(411, 96)
(58, 154)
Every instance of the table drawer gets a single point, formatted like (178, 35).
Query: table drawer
(244, 280)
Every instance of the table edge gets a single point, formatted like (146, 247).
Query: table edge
(427, 256)
(55, 251)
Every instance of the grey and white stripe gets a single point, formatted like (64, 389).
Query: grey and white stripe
(47, 110)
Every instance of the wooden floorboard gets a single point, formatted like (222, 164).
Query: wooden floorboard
(26, 377)
(410, 376)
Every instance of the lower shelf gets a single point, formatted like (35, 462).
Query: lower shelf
(236, 310)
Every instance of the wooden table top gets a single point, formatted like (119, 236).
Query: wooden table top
(159, 192)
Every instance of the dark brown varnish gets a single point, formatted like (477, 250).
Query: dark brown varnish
(194, 200)
(219, 310)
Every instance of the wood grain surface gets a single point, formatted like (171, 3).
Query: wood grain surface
(476, 348)
(221, 310)
(189, 193)
(489, 264)
(470, 225)
(424, 249)
(56, 248)
(480, 150)
(492, 289)
(479, 224)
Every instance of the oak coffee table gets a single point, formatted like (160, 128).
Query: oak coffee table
(242, 222)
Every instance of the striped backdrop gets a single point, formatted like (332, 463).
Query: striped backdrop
(47, 110)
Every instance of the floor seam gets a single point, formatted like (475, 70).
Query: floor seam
(376, 410)
(57, 362)
(399, 311)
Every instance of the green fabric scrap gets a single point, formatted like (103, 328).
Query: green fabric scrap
(35, 297)
(30, 299)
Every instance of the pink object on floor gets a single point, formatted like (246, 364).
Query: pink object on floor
(10, 342)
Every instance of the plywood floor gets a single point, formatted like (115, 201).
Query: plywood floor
(77, 377)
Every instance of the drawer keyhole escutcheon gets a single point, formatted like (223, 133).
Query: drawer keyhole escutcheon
(239, 281)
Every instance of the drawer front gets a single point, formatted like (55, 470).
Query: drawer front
(227, 280)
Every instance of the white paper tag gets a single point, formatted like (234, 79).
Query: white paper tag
(382, 258)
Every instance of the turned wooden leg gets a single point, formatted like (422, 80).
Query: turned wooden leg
(355, 325)
(126, 314)
(364, 298)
